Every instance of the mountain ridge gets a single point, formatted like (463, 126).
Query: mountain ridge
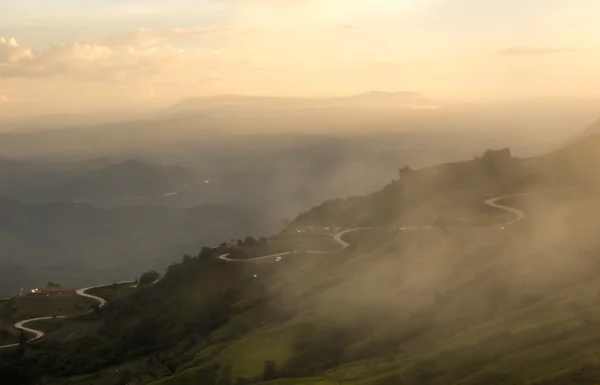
(371, 98)
(460, 304)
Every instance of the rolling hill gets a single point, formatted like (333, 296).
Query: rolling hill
(124, 182)
(465, 303)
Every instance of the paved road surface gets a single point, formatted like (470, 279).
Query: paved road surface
(38, 334)
(492, 202)
(337, 237)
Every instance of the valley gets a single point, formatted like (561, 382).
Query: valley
(315, 192)
(298, 315)
(337, 237)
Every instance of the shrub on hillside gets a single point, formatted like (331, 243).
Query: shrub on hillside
(148, 277)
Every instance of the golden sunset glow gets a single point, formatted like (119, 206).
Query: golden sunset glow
(128, 55)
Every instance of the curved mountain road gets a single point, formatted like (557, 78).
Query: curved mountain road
(338, 237)
(82, 293)
(38, 334)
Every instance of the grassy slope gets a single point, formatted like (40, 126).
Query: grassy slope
(20, 308)
(468, 306)
(112, 292)
(73, 328)
(546, 341)
(555, 335)
(318, 240)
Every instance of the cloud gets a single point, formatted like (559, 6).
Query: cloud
(520, 51)
(11, 51)
(108, 64)
(4, 99)
(145, 37)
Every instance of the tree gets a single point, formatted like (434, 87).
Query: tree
(207, 375)
(125, 377)
(262, 241)
(249, 241)
(225, 376)
(269, 371)
(404, 171)
(205, 252)
(148, 278)
(22, 339)
(496, 159)
(171, 367)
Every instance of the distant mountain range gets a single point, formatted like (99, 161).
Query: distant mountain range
(129, 180)
(403, 99)
(79, 243)
(98, 181)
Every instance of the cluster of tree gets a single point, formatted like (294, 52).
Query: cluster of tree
(53, 285)
(148, 278)
(250, 241)
(405, 171)
(152, 320)
(495, 160)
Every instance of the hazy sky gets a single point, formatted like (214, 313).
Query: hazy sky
(77, 55)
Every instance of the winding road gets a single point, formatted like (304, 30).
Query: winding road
(38, 334)
(338, 237)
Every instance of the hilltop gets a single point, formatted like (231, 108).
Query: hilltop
(463, 303)
(407, 99)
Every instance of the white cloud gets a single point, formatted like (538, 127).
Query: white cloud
(11, 51)
(103, 63)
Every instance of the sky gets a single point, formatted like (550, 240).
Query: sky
(79, 56)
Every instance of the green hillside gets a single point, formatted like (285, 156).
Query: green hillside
(462, 303)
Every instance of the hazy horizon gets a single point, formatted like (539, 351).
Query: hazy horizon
(309, 192)
(70, 57)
